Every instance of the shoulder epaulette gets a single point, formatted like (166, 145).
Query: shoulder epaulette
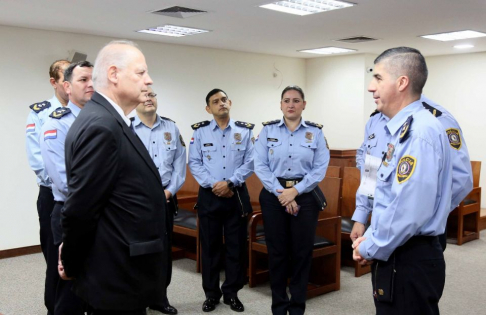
(200, 124)
(244, 124)
(405, 132)
(310, 123)
(165, 118)
(39, 107)
(374, 113)
(434, 111)
(271, 122)
(59, 112)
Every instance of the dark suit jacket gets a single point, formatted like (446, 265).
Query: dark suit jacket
(114, 220)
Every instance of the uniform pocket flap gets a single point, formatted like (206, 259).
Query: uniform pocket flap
(143, 248)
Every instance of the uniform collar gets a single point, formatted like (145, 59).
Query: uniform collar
(55, 102)
(302, 123)
(137, 121)
(74, 108)
(213, 125)
(397, 122)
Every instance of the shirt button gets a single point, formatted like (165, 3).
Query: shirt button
(291, 135)
(238, 149)
(153, 142)
(291, 144)
(381, 175)
(272, 145)
(290, 156)
(224, 167)
(224, 136)
(224, 146)
(224, 178)
(169, 148)
(289, 169)
(308, 146)
(156, 155)
(224, 156)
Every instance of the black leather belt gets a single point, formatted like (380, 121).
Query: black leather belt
(289, 182)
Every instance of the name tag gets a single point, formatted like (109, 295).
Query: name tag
(208, 144)
(272, 140)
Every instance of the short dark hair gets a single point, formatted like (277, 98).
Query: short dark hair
(212, 92)
(68, 73)
(406, 61)
(56, 67)
(295, 88)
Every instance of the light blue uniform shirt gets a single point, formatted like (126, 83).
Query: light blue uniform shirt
(374, 144)
(35, 120)
(302, 153)
(216, 155)
(52, 140)
(413, 192)
(167, 149)
(462, 180)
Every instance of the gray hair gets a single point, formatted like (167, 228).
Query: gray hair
(408, 62)
(108, 57)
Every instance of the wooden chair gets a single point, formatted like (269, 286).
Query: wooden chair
(463, 221)
(333, 171)
(185, 238)
(351, 181)
(325, 268)
(254, 186)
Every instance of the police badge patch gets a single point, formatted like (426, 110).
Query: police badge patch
(454, 138)
(405, 168)
(168, 137)
(182, 141)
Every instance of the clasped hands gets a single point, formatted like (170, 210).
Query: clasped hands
(221, 189)
(287, 199)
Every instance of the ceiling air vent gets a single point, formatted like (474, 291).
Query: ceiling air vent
(356, 39)
(179, 12)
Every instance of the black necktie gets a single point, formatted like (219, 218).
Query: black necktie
(131, 126)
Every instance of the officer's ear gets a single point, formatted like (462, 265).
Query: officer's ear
(402, 83)
(67, 87)
(305, 103)
(208, 109)
(53, 82)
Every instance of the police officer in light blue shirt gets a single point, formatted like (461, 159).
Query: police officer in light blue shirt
(221, 159)
(167, 149)
(45, 202)
(291, 158)
(373, 146)
(413, 192)
(79, 86)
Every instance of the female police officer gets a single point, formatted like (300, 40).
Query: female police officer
(291, 158)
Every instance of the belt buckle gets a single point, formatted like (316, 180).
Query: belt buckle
(289, 183)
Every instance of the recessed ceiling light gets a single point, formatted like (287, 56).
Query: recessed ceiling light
(445, 37)
(172, 30)
(465, 46)
(327, 50)
(306, 7)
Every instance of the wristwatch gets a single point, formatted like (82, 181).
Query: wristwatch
(230, 184)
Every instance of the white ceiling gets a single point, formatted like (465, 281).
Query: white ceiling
(242, 26)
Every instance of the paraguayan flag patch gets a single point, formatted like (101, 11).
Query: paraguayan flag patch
(50, 134)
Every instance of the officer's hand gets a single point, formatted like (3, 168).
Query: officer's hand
(168, 194)
(356, 255)
(293, 208)
(221, 189)
(60, 267)
(229, 194)
(287, 195)
(357, 231)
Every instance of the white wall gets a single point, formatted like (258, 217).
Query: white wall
(182, 77)
(458, 82)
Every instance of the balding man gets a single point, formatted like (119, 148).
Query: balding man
(114, 218)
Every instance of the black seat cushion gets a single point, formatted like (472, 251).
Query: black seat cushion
(469, 201)
(347, 225)
(259, 231)
(188, 221)
(182, 214)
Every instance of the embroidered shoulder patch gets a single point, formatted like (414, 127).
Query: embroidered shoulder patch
(454, 138)
(200, 124)
(244, 124)
(59, 112)
(271, 122)
(39, 107)
(165, 118)
(405, 168)
(314, 124)
(182, 141)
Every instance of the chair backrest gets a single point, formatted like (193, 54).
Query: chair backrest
(351, 180)
(331, 187)
(476, 171)
(190, 184)
(332, 171)
(254, 186)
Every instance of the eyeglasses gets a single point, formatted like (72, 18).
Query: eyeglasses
(152, 95)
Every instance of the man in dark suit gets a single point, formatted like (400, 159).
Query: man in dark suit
(114, 221)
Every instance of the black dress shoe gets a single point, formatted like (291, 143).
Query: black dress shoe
(164, 309)
(235, 304)
(210, 305)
